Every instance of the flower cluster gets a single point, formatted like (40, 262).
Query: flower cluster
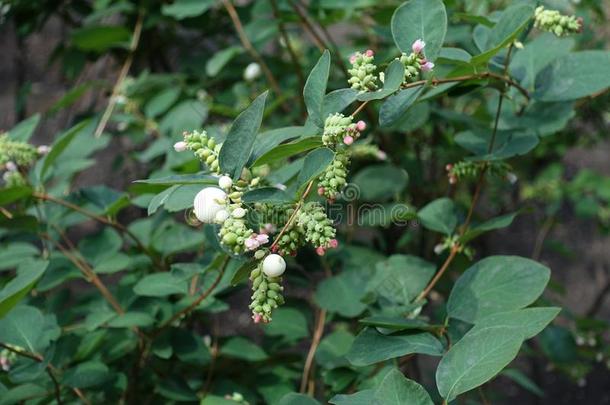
(16, 154)
(333, 179)
(415, 62)
(7, 358)
(340, 129)
(467, 169)
(553, 21)
(204, 147)
(363, 71)
(266, 287)
(317, 227)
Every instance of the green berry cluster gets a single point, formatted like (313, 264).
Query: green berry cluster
(362, 73)
(267, 294)
(333, 179)
(20, 153)
(205, 148)
(413, 66)
(234, 231)
(336, 128)
(553, 21)
(364, 151)
(13, 179)
(466, 169)
(317, 227)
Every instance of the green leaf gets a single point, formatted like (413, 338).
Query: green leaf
(338, 100)
(496, 284)
(508, 143)
(181, 9)
(160, 285)
(12, 194)
(177, 390)
(420, 19)
(237, 146)
(342, 294)
(333, 348)
(28, 274)
(528, 322)
(489, 225)
(396, 389)
(475, 359)
(187, 115)
(576, 75)
(396, 324)
(100, 38)
(371, 347)
(315, 89)
(24, 130)
(297, 399)
(512, 21)
(394, 76)
(178, 179)
(22, 327)
(439, 216)
(243, 272)
(289, 323)
(523, 380)
(364, 397)
(217, 62)
(161, 102)
(380, 182)
(268, 140)
(393, 109)
(60, 145)
(242, 348)
(131, 319)
(13, 254)
(160, 199)
(85, 375)
(288, 149)
(401, 278)
(268, 195)
(21, 393)
(315, 163)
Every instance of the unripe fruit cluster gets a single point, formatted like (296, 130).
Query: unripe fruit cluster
(333, 179)
(317, 227)
(339, 129)
(16, 152)
(553, 21)
(204, 147)
(234, 231)
(465, 169)
(266, 287)
(362, 72)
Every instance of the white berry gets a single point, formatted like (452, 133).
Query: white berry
(274, 265)
(221, 216)
(225, 182)
(207, 203)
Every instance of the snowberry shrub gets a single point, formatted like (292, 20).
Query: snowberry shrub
(293, 212)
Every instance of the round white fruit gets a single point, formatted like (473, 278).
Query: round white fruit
(225, 182)
(221, 216)
(274, 265)
(208, 202)
(238, 212)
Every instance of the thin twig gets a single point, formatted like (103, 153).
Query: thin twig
(243, 38)
(195, 303)
(317, 40)
(135, 40)
(315, 341)
(292, 217)
(439, 274)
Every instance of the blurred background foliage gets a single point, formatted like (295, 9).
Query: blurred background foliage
(128, 77)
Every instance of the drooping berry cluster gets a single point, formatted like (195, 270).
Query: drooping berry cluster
(317, 227)
(205, 148)
(266, 287)
(555, 22)
(362, 72)
(334, 177)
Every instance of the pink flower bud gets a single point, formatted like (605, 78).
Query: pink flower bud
(251, 243)
(449, 167)
(262, 238)
(382, 155)
(180, 146)
(257, 318)
(428, 66)
(352, 59)
(274, 249)
(348, 140)
(333, 243)
(369, 53)
(418, 46)
(320, 251)
(452, 179)
(361, 126)
(320, 190)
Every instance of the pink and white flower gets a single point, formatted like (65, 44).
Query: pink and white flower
(418, 46)
(180, 146)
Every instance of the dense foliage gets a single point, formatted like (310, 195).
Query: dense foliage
(304, 223)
